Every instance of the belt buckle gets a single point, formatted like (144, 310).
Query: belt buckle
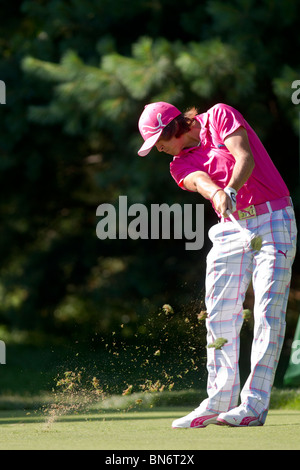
(247, 213)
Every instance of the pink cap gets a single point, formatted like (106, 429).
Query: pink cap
(153, 120)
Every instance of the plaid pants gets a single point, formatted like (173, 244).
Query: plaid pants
(231, 264)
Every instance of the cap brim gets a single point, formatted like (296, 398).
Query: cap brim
(149, 144)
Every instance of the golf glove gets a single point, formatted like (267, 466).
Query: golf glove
(231, 192)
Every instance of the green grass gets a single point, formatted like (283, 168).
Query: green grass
(36, 414)
(142, 430)
(139, 421)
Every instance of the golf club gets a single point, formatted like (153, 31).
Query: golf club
(255, 241)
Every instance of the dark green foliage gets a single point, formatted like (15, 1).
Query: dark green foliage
(78, 74)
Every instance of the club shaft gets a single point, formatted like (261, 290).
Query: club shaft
(238, 226)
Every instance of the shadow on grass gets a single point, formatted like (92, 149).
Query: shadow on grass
(21, 417)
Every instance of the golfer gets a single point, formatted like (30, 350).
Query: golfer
(218, 155)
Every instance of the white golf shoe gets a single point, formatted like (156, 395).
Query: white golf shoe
(195, 419)
(239, 417)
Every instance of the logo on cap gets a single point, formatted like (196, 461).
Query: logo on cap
(153, 130)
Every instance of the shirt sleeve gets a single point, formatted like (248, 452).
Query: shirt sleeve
(226, 120)
(179, 171)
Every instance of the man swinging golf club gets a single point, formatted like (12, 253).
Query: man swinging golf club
(218, 155)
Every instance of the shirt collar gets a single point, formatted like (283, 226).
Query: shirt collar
(202, 118)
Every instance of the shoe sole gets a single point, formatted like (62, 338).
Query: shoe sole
(252, 422)
(200, 422)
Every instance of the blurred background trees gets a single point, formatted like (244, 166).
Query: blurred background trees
(78, 74)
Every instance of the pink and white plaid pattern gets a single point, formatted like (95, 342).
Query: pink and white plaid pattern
(231, 264)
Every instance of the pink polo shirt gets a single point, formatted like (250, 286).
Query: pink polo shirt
(212, 157)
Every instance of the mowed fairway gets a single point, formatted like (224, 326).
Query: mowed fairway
(142, 430)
